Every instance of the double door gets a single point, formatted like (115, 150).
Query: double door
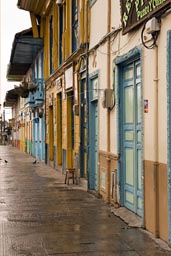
(131, 137)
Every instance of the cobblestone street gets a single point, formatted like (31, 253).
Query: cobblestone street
(40, 216)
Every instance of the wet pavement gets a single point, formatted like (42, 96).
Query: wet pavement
(40, 216)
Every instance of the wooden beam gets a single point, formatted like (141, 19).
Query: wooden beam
(34, 25)
(42, 25)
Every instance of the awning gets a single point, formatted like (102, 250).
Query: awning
(38, 7)
(13, 95)
(24, 50)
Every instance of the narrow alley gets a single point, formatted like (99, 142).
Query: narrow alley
(40, 216)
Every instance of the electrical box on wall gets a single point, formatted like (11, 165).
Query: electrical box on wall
(152, 26)
(108, 99)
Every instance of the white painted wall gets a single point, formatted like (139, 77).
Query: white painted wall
(121, 45)
(98, 21)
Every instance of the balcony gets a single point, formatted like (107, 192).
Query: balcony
(36, 93)
(39, 98)
(32, 86)
(39, 83)
(30, 101)
(36, 84)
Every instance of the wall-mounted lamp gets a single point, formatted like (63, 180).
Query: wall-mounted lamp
(152, 27)
(59, 2)
(40, 112)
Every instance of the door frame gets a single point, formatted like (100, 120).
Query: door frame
(132, 55)
(43, 138)
(93, 100)
(83, 149)
(59, 128)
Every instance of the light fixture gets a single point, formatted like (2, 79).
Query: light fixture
(59, 2)
(152, 26)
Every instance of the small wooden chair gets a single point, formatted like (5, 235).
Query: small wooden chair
(70, 174)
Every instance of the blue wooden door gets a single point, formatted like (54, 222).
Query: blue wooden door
(34, 138)
(131, 137)
(93, 153)
(95, 142)
(37, 138)
(41, 139)
(83, 131)
(39, 134)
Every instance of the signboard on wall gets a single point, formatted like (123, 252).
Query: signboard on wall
(133, 12)
(58, 83)
(69, 78)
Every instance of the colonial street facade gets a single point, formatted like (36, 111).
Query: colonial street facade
(95, 95)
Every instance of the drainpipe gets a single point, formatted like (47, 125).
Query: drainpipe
(168, 130)
(87, 84)
(108, 110)
(156, 146)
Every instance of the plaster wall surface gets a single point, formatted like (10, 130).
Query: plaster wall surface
(121, 45)
(98, 21)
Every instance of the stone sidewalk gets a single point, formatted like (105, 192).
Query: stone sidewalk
(40, 216)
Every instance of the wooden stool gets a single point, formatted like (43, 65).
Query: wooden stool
(70, 174)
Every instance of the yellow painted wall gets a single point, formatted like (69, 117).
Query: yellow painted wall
(55, 36)
(64, 124)
(68, 29)
(76, 133)
(50, 86)
(46, 48)
(59, 128)
(51, 133)
(66, 129)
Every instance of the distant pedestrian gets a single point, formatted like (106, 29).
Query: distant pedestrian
(6, 139)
